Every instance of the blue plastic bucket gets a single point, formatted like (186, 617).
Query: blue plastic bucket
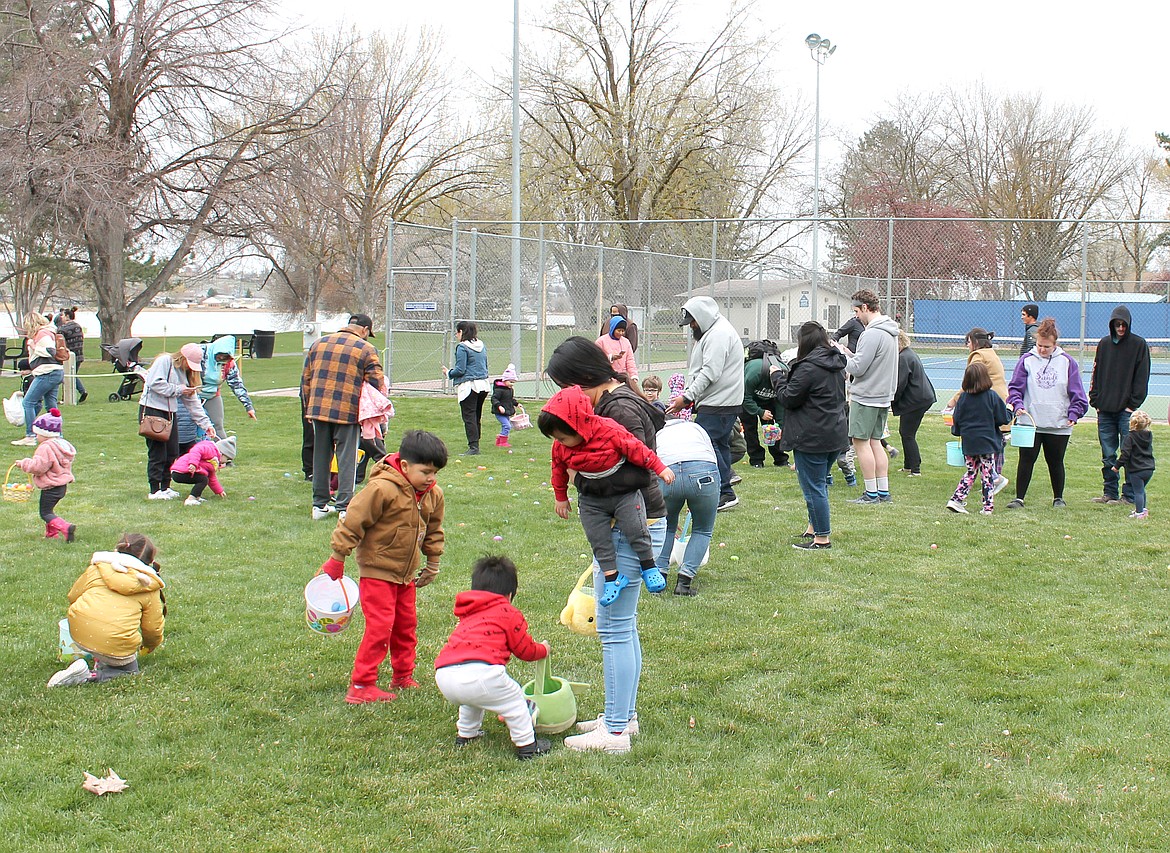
(955, 456)
(1023, 435)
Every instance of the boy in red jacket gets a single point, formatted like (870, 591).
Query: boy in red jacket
(470, 669)
(610, 465)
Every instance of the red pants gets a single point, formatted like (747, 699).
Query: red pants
(391, 623)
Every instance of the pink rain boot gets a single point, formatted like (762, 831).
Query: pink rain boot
(50, 530)
(65, 530)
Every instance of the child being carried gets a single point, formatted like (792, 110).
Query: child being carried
(611, 468)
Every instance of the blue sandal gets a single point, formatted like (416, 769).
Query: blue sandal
(654, 580)
(612, 590)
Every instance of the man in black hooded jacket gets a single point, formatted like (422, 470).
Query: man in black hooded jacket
(1121, 379)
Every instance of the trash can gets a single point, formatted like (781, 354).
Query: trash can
(263, 343)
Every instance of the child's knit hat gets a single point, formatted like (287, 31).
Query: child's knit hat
(509, 374)
(227, 448)
(48, 424)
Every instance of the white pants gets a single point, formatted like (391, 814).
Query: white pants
(480, 687)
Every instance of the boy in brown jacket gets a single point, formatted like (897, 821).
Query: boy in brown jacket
(397, 514)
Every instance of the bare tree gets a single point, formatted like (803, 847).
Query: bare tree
(137, 116)
(626, 123)
(1139, 197)
(1045, 169)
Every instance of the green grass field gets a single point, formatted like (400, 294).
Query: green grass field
(1005, 691)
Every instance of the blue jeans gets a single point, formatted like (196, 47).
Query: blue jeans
(505, 424)
(696, 484)
(617, 627)
(812, 471)
(1112, 428)
(718, 429)
(1138, 480)
(44, 389)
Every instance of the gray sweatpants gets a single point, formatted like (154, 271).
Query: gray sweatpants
(628, 511)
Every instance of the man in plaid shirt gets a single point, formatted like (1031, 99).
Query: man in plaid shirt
(331, 386)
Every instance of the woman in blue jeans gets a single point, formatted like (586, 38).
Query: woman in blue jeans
(47, 373)
(812, 392)
(579, 361)
(686, 448)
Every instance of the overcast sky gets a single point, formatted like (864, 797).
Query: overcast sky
(1110, 56)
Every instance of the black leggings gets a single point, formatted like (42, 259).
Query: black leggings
(160, 455)
(908, 424)
(50, 497)
(198, 482)
(1054, 447)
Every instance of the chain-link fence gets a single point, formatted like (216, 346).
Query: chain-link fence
(939, 277)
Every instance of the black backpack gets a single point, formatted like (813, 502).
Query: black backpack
(760, 349)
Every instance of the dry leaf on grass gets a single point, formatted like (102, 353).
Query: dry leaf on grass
(111, 784)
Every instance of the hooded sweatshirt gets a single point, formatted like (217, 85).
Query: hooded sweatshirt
(874, 366)
(490, 631)
(116, 606)
(610, 459)
(715, 369)
(1050, 389)
(1121, 368)
(1137, 451)
(619, 350)
(51, 463)
(216, 373)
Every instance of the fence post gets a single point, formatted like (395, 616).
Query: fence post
(714, 252)
(601, 312)
(646, 339)
(543, 324)
(388, 355)
(473, 260)
(760, 303)
(890, 263)
(1084, 283)
(449, 334)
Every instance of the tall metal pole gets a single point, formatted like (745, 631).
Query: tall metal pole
(516, 183)
(820, 49)
(816, 235)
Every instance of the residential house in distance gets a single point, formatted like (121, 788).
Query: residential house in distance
(775, 308)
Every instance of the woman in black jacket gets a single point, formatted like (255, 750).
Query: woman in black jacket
(75, 339)
(812, 393)
(912, 400)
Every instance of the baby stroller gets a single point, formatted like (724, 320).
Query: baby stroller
(125, 356)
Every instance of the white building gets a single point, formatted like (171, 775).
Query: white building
(776, 308)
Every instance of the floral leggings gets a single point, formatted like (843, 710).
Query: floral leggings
(984, 468)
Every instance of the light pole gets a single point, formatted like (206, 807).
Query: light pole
(820, 49)
(516, 184)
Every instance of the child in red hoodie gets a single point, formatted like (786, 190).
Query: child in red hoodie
(470, 669)
(197, 468)
(609, 463)
(51, 467)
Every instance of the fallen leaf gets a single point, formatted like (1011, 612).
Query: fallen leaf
(111, 784)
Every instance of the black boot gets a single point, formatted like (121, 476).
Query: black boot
(682, 586)
(472, 450)
(531, 750)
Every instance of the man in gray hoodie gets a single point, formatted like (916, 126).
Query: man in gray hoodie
(714, 383)
(874, 368)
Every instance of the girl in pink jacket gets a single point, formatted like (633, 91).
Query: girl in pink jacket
(621, 354)
(51, 467)
(197, 468)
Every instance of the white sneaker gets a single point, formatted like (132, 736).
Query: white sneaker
(341, 515)
(27, 441)
(76, 673)
(955, 506)
(601, 740)
(1000, 483)
(170, 493)
(593, 725)
(319, 514)
(157, 496)
(192, 501)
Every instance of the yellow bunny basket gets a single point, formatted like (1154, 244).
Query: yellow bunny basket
(580, 613)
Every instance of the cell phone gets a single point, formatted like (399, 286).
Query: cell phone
(705, 481)
(774, 361)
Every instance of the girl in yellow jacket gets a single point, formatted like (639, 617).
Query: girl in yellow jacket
(115, 608)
